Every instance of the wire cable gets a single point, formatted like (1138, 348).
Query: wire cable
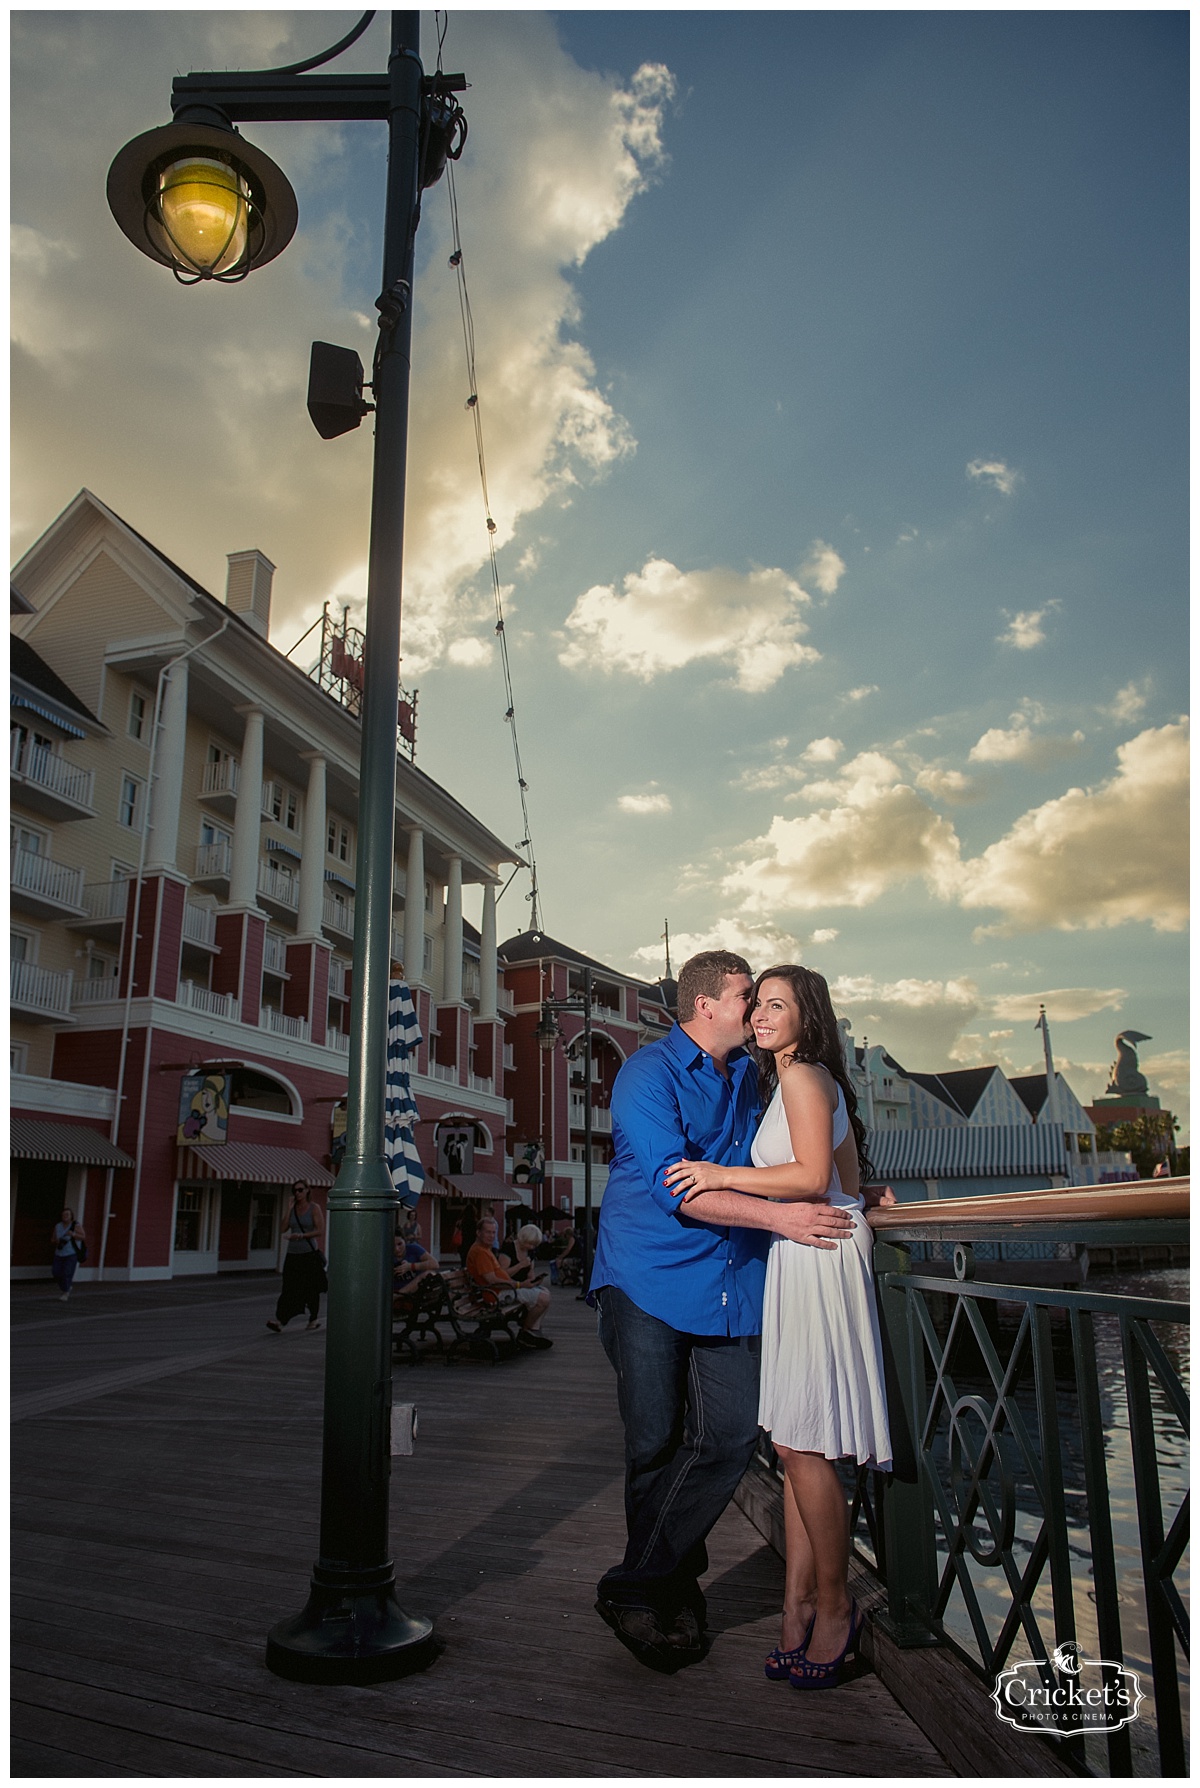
(473, 405)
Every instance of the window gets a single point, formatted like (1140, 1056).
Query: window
(280, 803)
(263, 1222)
(427, 959)
(210, 834)
(23, 741)
(18, 1056)
(129, 807)
(252, 1091)
(138, 715)
(188, 1214)
(23, 838)
(428, 897)
(338, 843)
(22, 946)
(100, 968)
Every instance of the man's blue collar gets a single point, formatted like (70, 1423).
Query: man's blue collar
(688, 1050)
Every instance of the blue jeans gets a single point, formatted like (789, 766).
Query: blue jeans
(690, 1408)
(63, 1266)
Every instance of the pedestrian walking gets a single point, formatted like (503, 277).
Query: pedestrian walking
(304, 1263)
(70, 1247)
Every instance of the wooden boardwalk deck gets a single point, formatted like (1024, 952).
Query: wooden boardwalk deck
(165, 1455)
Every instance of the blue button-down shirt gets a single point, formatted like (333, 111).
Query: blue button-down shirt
(671, 1103)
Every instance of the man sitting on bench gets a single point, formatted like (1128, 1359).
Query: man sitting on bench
(484, 1269)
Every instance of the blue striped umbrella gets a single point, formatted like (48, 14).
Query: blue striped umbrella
(400, 1111)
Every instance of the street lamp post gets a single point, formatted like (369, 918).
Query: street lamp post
(197, 198)
(548, 1034)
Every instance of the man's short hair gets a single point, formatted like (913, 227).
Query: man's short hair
(703, 977)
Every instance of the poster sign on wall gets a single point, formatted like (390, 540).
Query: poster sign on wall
(203, 1109)
(456, 1148)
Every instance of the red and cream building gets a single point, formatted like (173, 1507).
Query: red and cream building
(183, 899)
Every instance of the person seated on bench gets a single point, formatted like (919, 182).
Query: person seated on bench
(484, 1268)
(519, 1256)
(411, 1263)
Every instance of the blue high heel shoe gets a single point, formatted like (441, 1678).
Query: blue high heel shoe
(805, 1673)
(779, 1663)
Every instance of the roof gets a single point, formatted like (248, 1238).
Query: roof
(533, 946)
(262, 1163)
(31, 668)
(967, 1151)
(1030, 1090)
(36, 1139)
(470, 1185)
(961, 1089)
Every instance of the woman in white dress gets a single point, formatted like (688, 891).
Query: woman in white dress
(822, 1395)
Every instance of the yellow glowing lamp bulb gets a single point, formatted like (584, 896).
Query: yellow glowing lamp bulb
(203, 209)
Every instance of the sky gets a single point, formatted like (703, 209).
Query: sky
(832, 369)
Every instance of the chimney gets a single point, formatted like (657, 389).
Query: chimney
(248, 589)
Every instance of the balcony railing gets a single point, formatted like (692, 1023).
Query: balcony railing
(510, 1060)
(470, 980)
(199, 924)
(220, 778)
(338, 915)
(1040, 1442)
(504, 1000)
(40, 990)
(281, 1025)
(601, 1118)
(47, 770)
(339, 980)
(275, 954)
(95, 990)
(202, 999)
(481, 1083)
(337, 1040)
(444, 1071)
(45, 880)
(106, 901)
(279, 885)
(213, 861)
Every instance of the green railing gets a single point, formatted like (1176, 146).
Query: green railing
(1004, 1430)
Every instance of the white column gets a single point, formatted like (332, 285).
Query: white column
(167, 795)
(414, 909)
(487, 954)
(312, 860)
(452, 966)
(243, 875)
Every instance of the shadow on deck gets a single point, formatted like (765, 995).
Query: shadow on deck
(163, 1523)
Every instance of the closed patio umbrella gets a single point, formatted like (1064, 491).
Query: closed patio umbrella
(400, 1111)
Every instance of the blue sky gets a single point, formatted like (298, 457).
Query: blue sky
(833, 374)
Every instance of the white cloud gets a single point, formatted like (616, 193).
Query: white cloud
(825, 935)
(873, 832)
(823, 567)
(1019, 744)
(768, 776)
(469, 653)
(1027, 629)
(665, 619)
(1063, 1004)
(823, 751)
(1097, 857)
(644, 803)
(219, 375)
(1131, 700)
(917, 1021)
(994, 471)
(762, 945)
(948, 785)
(861, 693)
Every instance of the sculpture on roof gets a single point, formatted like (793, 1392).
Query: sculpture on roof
(1126, 1076)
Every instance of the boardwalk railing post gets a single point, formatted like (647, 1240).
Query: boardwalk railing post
(909, 1555)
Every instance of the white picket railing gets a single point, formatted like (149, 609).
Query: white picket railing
(106, 900)
(213, 860)
(32, 873)
(280, 1025)
(199, 924)
(220, 778)
(39, 989)
(40, 765)
(202, 999)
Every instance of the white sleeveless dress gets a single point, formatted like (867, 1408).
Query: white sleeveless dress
(821, 1389)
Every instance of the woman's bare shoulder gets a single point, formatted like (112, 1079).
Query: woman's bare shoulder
(812, 1074)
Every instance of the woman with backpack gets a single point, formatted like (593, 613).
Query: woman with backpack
(304, 1263)
(70, 1247)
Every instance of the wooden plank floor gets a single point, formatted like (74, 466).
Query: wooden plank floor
(165, 1459)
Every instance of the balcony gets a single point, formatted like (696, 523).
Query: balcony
(444, 1071)
(470, 979)
(601, 1118)
(47, 783)
(504, 1000)
(219, 784)
(275, 954)
(199, 925)
(38, 994)
(510, 1060)
(337, 1040)
(104, 906)
(338, 916)
(339, 979)
(481, 1083)
(280, 1025)
(96, 990)
(278, 887)
(213, 862)
(47, 889)
(202, 999)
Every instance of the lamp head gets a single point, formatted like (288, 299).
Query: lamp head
(196, 197)
(547, 1032)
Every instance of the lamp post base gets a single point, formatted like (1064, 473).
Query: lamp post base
(351, 1631)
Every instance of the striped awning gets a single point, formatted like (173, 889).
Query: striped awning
(486, 1186)
(53, 715)
(261, 1162)
(967, 1151)
(33, 1139)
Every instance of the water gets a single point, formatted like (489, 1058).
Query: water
(992, 1589)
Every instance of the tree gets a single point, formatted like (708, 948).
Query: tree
(1147, 1138)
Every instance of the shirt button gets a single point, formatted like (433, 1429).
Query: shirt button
(724, 1297)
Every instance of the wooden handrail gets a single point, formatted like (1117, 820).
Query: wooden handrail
(1126, 1202)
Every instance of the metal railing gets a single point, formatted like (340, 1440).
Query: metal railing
(32, 873)
(1000, 1531)
(199, 924)
(40, 765)
(39, 989)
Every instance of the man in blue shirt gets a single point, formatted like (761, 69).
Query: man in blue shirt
(680, 1303)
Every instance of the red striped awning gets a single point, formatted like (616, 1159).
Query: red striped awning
(261, 1162)
(34, 1139)
(487, 1186)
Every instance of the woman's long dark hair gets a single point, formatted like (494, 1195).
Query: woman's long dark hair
(820, 1041)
